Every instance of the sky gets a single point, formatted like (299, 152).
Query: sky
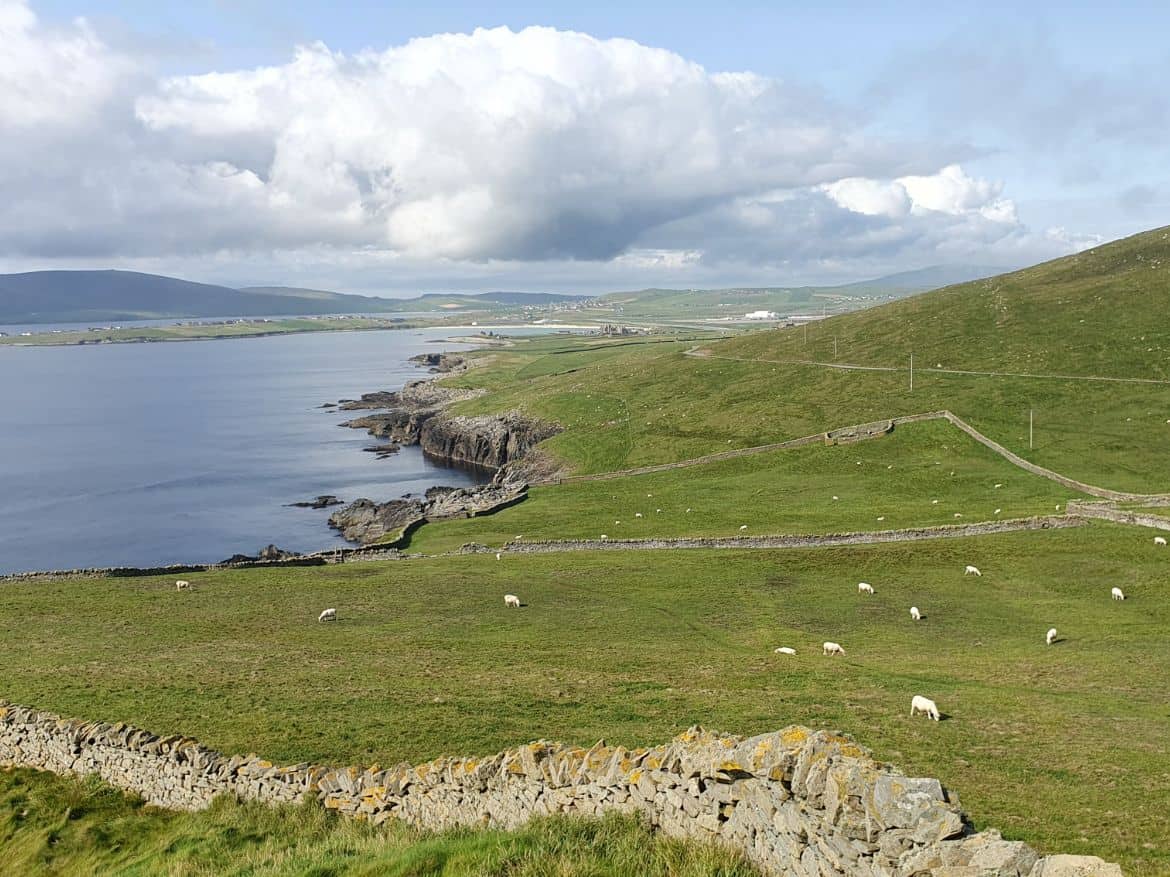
(387, 148)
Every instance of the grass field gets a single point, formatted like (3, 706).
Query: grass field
(1064, 746)
(920, 475)
(51, 825)
(649, 403)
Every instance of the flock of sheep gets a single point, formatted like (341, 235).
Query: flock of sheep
(918, 703)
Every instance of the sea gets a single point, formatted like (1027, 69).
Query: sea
(150, 454)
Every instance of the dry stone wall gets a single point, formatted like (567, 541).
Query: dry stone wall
(795, 801)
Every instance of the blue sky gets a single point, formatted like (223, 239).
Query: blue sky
(869, 141)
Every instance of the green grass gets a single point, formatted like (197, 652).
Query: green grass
(650, 403)
(58, 826)
(1062, 746)
(896, 478)
(1100, 312)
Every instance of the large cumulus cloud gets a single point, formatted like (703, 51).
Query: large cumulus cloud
(489, 148)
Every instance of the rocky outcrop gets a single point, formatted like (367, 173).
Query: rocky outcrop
(441, 363)
(492, 440)
(416, 415)
(268, 554)
(794, 801)
(321, 502)
(366, 521)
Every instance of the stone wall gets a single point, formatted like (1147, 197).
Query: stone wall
(795, 801)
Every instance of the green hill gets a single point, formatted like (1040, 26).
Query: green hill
(1100, 312)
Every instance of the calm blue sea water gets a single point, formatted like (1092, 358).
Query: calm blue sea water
(141, 454)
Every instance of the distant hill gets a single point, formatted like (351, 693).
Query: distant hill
(736, 301)
(81, 296)
(1100, 312)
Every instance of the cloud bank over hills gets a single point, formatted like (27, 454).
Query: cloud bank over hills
(489, 156)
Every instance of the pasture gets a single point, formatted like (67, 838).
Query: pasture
(1063, 746)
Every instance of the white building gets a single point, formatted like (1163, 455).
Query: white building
(762, 315)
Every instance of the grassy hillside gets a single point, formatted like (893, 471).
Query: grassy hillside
(1101, 312)
(921, 475)
(636, 403)
(635, 646)
(55, 826)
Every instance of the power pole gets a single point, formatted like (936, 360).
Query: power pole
(834, 347)
(911, 372)
(806, 334)
(1029, 429)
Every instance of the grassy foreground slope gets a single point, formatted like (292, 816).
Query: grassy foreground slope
(1063, 746)
(52, 825)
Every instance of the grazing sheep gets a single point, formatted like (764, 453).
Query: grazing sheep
(181, 585)
(512, 600)
(1118, 594)
(833, 649)
(836, 497)
(972, 570)
(658, 511)
(997, 511)
(1159, 540)
(924, 705)
(743, 526)
(915, 614)
(881, 517)
(934, 502)
(1050, 637)
(603, 536)
(637, 514)
(328, 615)
(998, 486)
(864, 588)
(958, 514)
(497, 555)
(784, 650)
(688, 511)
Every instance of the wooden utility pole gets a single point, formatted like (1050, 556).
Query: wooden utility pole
(1029, 429)
(834, 347)
(911, 372)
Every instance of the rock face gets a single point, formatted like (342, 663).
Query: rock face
(441, 363)
(795, 801)
(321, 502)
(415, 415)
(366, 521)
(267, 553)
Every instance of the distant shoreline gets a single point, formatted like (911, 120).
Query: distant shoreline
(247, 329)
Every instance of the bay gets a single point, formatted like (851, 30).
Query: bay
(145, 454)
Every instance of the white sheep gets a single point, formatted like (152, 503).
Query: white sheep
(998, 486)
(498, 555)
(328, 615)
(743, 526)
(915, 614)
(784, 650)
(1159, 540)
(836, 497)
(833, 649)
(603, 537)
(1050, 637)
(637, 514)
(864, 588)
(181, 585)
(972, 570)
(958, 514)
(658, 511)
(997, 511)
(924, 705)
(1118, 594)
(512, 600)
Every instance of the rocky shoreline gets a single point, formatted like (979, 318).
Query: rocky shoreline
(417, 415)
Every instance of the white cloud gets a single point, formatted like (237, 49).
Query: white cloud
(950, 191)
(463, 157)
